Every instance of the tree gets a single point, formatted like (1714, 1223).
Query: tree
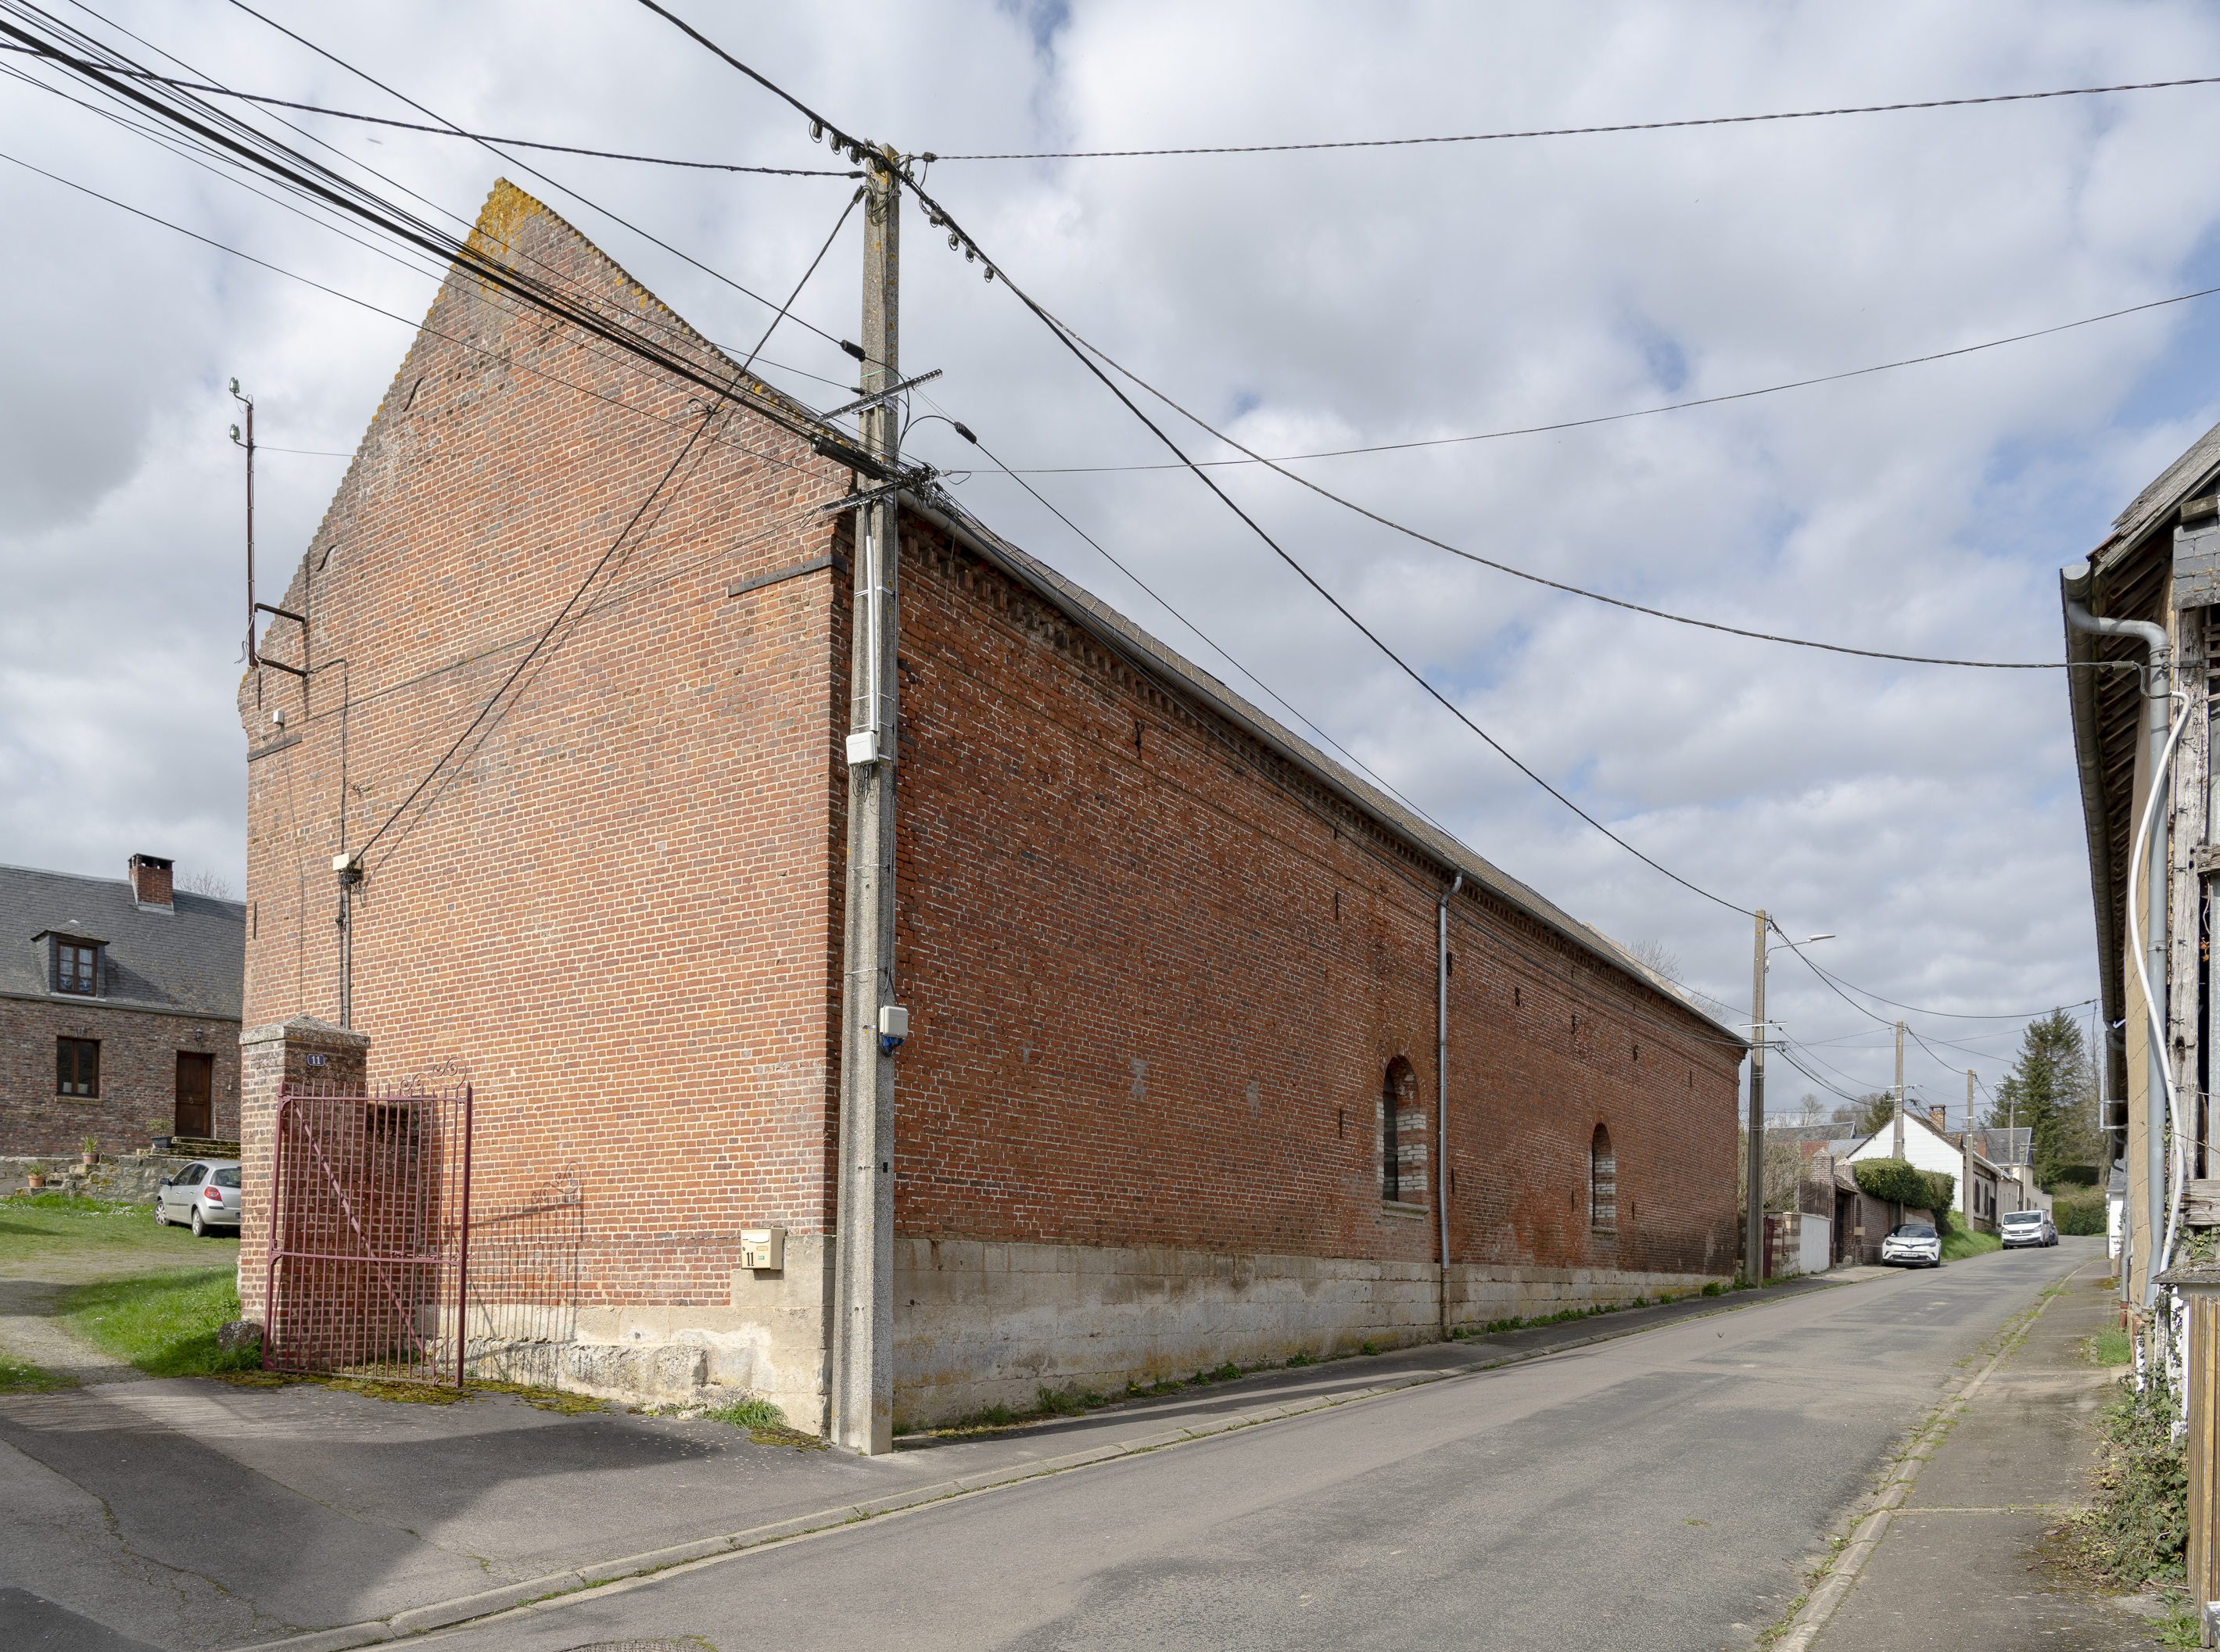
(2051, 1093)
(207, 883)
(1868, 1113)
(1658, 958)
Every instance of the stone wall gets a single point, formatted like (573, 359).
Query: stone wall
(139, 1051)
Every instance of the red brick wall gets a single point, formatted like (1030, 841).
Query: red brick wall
(138, 1075)
(1156, 978)
(1156, 982)
(613, 918)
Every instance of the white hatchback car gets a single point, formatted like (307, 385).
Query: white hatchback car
(203, 1195)
(1912, 1245)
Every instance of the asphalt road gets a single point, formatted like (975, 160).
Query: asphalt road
(1662, 1491)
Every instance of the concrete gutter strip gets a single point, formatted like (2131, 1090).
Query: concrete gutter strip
(444, 1613)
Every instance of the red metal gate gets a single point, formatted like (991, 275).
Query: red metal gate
(370, 1213)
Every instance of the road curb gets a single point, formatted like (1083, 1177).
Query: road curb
(1869, 1529)
(445, 1614)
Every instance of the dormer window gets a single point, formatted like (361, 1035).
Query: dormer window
(73, 960)
(76, 968)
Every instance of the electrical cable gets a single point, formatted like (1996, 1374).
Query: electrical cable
(1575, 590)
(449, 131)
(941, 218)
(1598, 419)
(1581, 131)
(1210, 642)
(294, 168)
(593, 574)
(490, 148)
(670, 328)
(1948, 1015)
(531, 653)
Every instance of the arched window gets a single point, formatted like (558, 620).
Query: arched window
(1603, 1183)
(1402, 1152)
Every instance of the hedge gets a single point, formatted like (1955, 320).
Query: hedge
(1893, 1181)
(2083, 1213)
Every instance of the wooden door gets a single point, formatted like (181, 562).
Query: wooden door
(195, 1114)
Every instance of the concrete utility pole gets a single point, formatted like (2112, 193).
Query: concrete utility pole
(1753, 1249)
(1966, 1183)
(1899, 1116)
(862, 1353)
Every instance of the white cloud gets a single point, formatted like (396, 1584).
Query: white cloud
(1308, 301)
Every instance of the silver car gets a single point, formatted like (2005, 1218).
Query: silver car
(203, 1195)
(2026, 1227)
(1912, 1245)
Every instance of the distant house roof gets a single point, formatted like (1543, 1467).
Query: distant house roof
(1834, 1131)
(189, 960)
(2003, 1146)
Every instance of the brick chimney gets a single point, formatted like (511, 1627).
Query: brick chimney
(150, 882)
(1935, 1114)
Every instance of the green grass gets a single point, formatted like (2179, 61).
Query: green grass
(163, 1322)
(1958, 1245)
(17, 1376)
(51, 1226)
(2108, 1347)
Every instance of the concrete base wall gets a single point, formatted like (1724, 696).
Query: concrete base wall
(978, 1325)
(769, 1344)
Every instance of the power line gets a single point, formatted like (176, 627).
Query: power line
(440, 131)
(1950, 1015)
(1575, 590)
(941, 217)
(489, 147)
(1598, 419)
(1574, 131)
(293, 168)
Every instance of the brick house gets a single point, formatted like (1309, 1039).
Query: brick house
(1170, 1092)
(119, 1010)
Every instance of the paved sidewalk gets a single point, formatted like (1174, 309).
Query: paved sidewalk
(193, 1513)
(1965, 1563)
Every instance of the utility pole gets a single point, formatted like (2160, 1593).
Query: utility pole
(1753, 1192)
(870, 1023)
(1965, 1180)
(1899, 1091)
(247, 401)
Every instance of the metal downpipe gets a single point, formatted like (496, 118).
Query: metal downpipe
(2158, 1104)
(1442, 1087)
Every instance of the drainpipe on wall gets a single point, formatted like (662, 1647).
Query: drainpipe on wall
(2157, 1106)
(1442, 1085)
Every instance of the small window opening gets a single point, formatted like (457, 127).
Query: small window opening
(76, 1067)
(1402, 1179)
(77, 969)
(1603, 1183)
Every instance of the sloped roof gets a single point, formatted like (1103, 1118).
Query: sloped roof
(1168, 666)
(191, 960)
(2003, 1146)
(2178, 482)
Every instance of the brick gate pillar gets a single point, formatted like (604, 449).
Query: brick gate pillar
(297, 1052)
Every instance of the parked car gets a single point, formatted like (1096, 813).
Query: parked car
(1912, 1245)
(203, 1195)
(2026, 1227)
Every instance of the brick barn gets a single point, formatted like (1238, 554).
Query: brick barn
(1168, 1096)
(119, 1010)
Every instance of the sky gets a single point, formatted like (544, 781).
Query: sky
(1925, 817)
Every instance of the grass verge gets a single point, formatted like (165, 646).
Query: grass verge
(1959, 1243)
(20, 1376)
(2108, 1347)
(49, 1225)
(164, 1322)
